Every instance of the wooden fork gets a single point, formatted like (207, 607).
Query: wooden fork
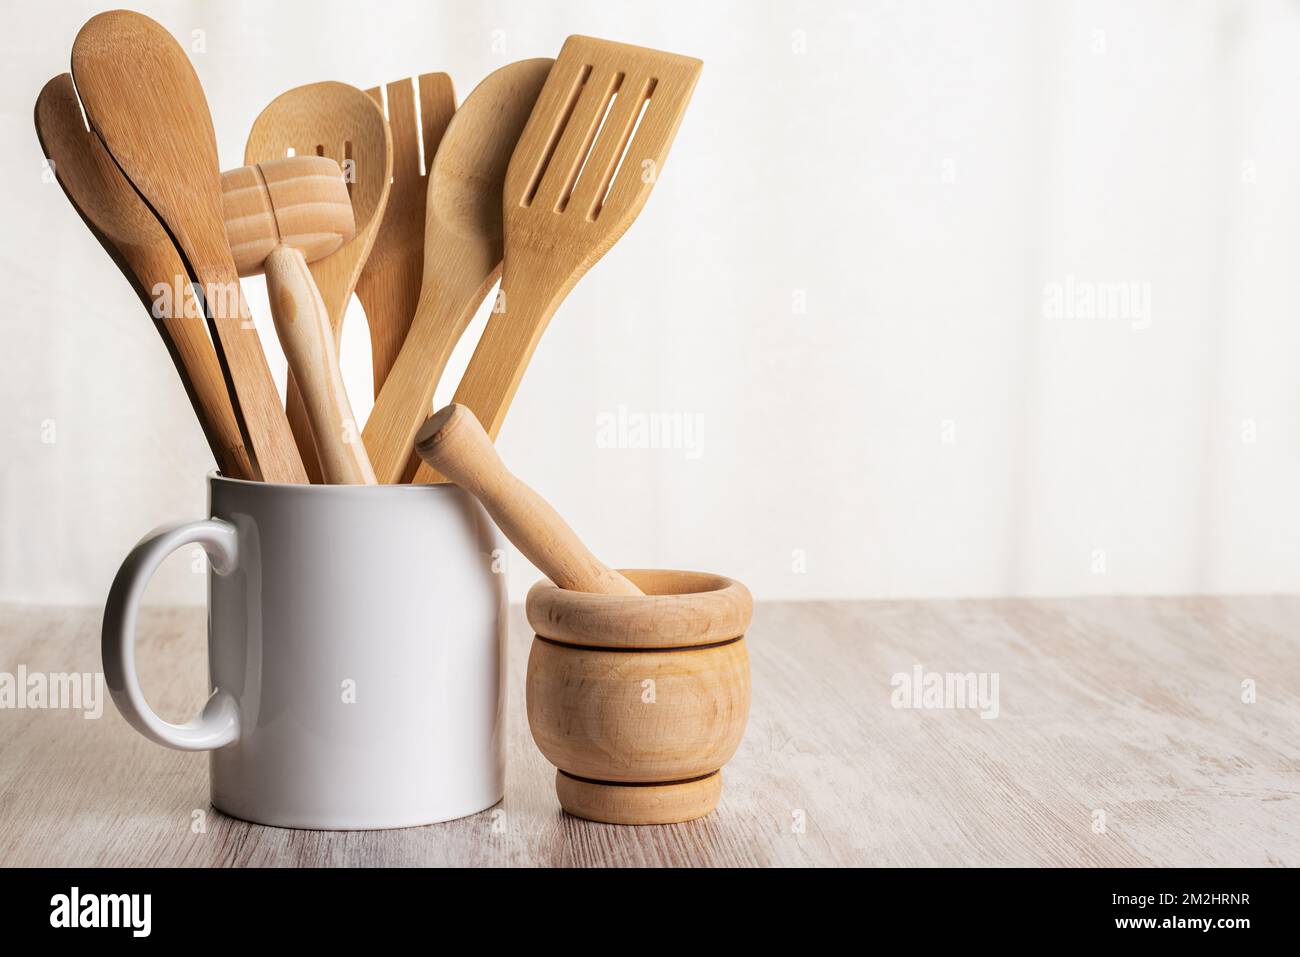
(389, 287)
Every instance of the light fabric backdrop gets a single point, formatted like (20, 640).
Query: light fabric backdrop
(958, 298)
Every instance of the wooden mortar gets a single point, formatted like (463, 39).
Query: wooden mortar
(640, 700)
(638, 682)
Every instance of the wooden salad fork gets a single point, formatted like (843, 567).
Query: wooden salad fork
(389, 285)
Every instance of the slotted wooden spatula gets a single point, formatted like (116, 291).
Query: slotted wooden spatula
(389, 286)
(578, 178)
(340, 122)
(143, 98)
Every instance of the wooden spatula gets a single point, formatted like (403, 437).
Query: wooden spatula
(577, 180)
(462, 254)
(143, 98)
(390, 282)
(134, 240)
(341, 123)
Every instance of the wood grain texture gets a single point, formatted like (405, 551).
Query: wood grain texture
(142, 250)
(1128, 706)
(454, 442)
(586, 162)
(389, 285)
(462, 255)
(279, 215)
(303, 327)
(648, 804)
(657, 691)
(143, 98)
(638, 716)
(683, 610)
(340, 122)
(300, 202)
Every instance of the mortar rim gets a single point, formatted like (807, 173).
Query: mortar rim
(703, 608)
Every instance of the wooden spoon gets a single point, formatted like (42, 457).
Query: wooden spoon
(134, 240)
(577, 180)
(462, 254)
(389, 287)
(453, 442)
(144, 100)
(340, 122)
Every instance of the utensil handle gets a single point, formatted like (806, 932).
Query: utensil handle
(442, 313)
(218, 724)
(524, 307)
(453, 442)
(256, 404)
(301, 429)
(303, 327)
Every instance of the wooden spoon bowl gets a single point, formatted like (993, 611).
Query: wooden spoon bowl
(639, 700)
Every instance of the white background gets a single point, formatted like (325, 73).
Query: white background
(842, 273)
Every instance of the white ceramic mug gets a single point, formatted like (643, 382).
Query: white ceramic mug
(356, 644)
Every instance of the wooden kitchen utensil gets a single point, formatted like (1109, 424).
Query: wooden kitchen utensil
(340, 122)
(639, 701)
(144, 253)
(454, 443)
(638, 682)
(462, 254)
(279, 216)
(584, 167)
(389, 287)
(143, 98)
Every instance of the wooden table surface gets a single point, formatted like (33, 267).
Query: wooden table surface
(1122, 738)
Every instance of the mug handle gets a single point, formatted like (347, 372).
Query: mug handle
(218, 725)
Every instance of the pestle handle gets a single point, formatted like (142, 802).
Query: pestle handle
(453, 442)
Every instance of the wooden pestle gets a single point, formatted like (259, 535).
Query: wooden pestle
(279, 216)
(453, 441)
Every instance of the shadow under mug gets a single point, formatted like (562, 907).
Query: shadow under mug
(356, 648)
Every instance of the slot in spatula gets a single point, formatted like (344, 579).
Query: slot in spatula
(583, 168)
